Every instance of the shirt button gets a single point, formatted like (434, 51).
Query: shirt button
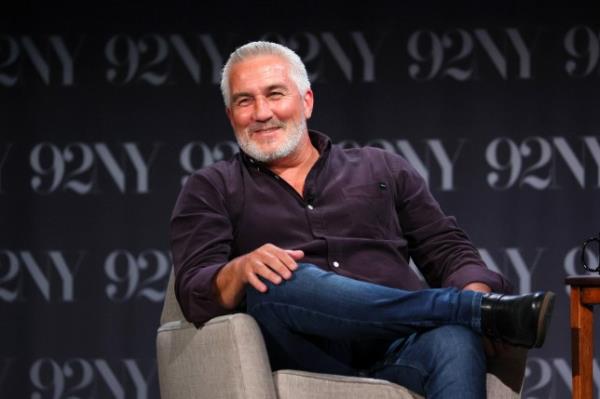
(336, 263)
(309, 206)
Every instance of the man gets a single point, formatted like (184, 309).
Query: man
(316, 240)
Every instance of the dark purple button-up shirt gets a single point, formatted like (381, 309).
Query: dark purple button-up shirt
(364, 213)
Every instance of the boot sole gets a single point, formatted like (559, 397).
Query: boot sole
(544, 319)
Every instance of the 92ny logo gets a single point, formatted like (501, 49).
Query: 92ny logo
(95, 378)
(51, 275)
(76, 167)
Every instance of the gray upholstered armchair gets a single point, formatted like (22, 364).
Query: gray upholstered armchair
(226, 358)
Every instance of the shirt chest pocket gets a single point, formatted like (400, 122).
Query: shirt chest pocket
(370, 211)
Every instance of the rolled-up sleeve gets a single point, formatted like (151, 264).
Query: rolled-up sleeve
(201, 236)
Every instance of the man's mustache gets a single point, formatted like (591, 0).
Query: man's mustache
(258, 126)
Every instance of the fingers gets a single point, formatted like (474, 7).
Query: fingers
(270, 263)
(296, 254)
(274, 273)
(280, 263)
(254, 281)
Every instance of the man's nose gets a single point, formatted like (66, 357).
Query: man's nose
(262, 110)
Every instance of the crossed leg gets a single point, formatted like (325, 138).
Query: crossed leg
(310, 322)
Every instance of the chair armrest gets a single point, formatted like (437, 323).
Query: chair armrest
(225, 358)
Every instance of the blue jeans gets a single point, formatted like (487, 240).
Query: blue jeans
(427, 341)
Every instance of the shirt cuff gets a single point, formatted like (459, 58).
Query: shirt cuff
(198, 298)
(478, 274)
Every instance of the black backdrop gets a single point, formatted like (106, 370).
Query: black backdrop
(106, 108)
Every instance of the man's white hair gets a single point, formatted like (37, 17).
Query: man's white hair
(254, 49)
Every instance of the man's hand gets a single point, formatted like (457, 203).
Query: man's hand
(268, 261)
(476, 286)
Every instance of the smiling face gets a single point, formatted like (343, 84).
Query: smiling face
(267, 112)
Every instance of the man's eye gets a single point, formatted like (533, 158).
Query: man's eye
(243, 102)
(276, 94)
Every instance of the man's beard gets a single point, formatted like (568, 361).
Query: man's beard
(290, 143)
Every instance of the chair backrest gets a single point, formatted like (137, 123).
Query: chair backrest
(171, 310)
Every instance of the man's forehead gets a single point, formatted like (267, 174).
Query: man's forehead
(260, 69)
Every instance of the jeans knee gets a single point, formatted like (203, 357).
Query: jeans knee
(288, 291)
(458, 338)
(457, 345)
(274, 293)
(447, 346)
(455, 361)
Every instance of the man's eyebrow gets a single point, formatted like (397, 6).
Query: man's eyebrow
(277, 87)
(270, 88)
(240, 94)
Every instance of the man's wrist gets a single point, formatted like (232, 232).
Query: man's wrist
(477, 286)
(228, 286)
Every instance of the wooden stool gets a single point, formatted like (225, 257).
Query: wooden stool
(585, 293)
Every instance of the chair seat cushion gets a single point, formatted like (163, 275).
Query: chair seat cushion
(293, 384)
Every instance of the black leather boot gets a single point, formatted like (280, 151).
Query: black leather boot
(520, 320)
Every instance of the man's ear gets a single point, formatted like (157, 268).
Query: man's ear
(308, 101)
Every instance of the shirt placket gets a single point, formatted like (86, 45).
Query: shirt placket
(317, 220)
